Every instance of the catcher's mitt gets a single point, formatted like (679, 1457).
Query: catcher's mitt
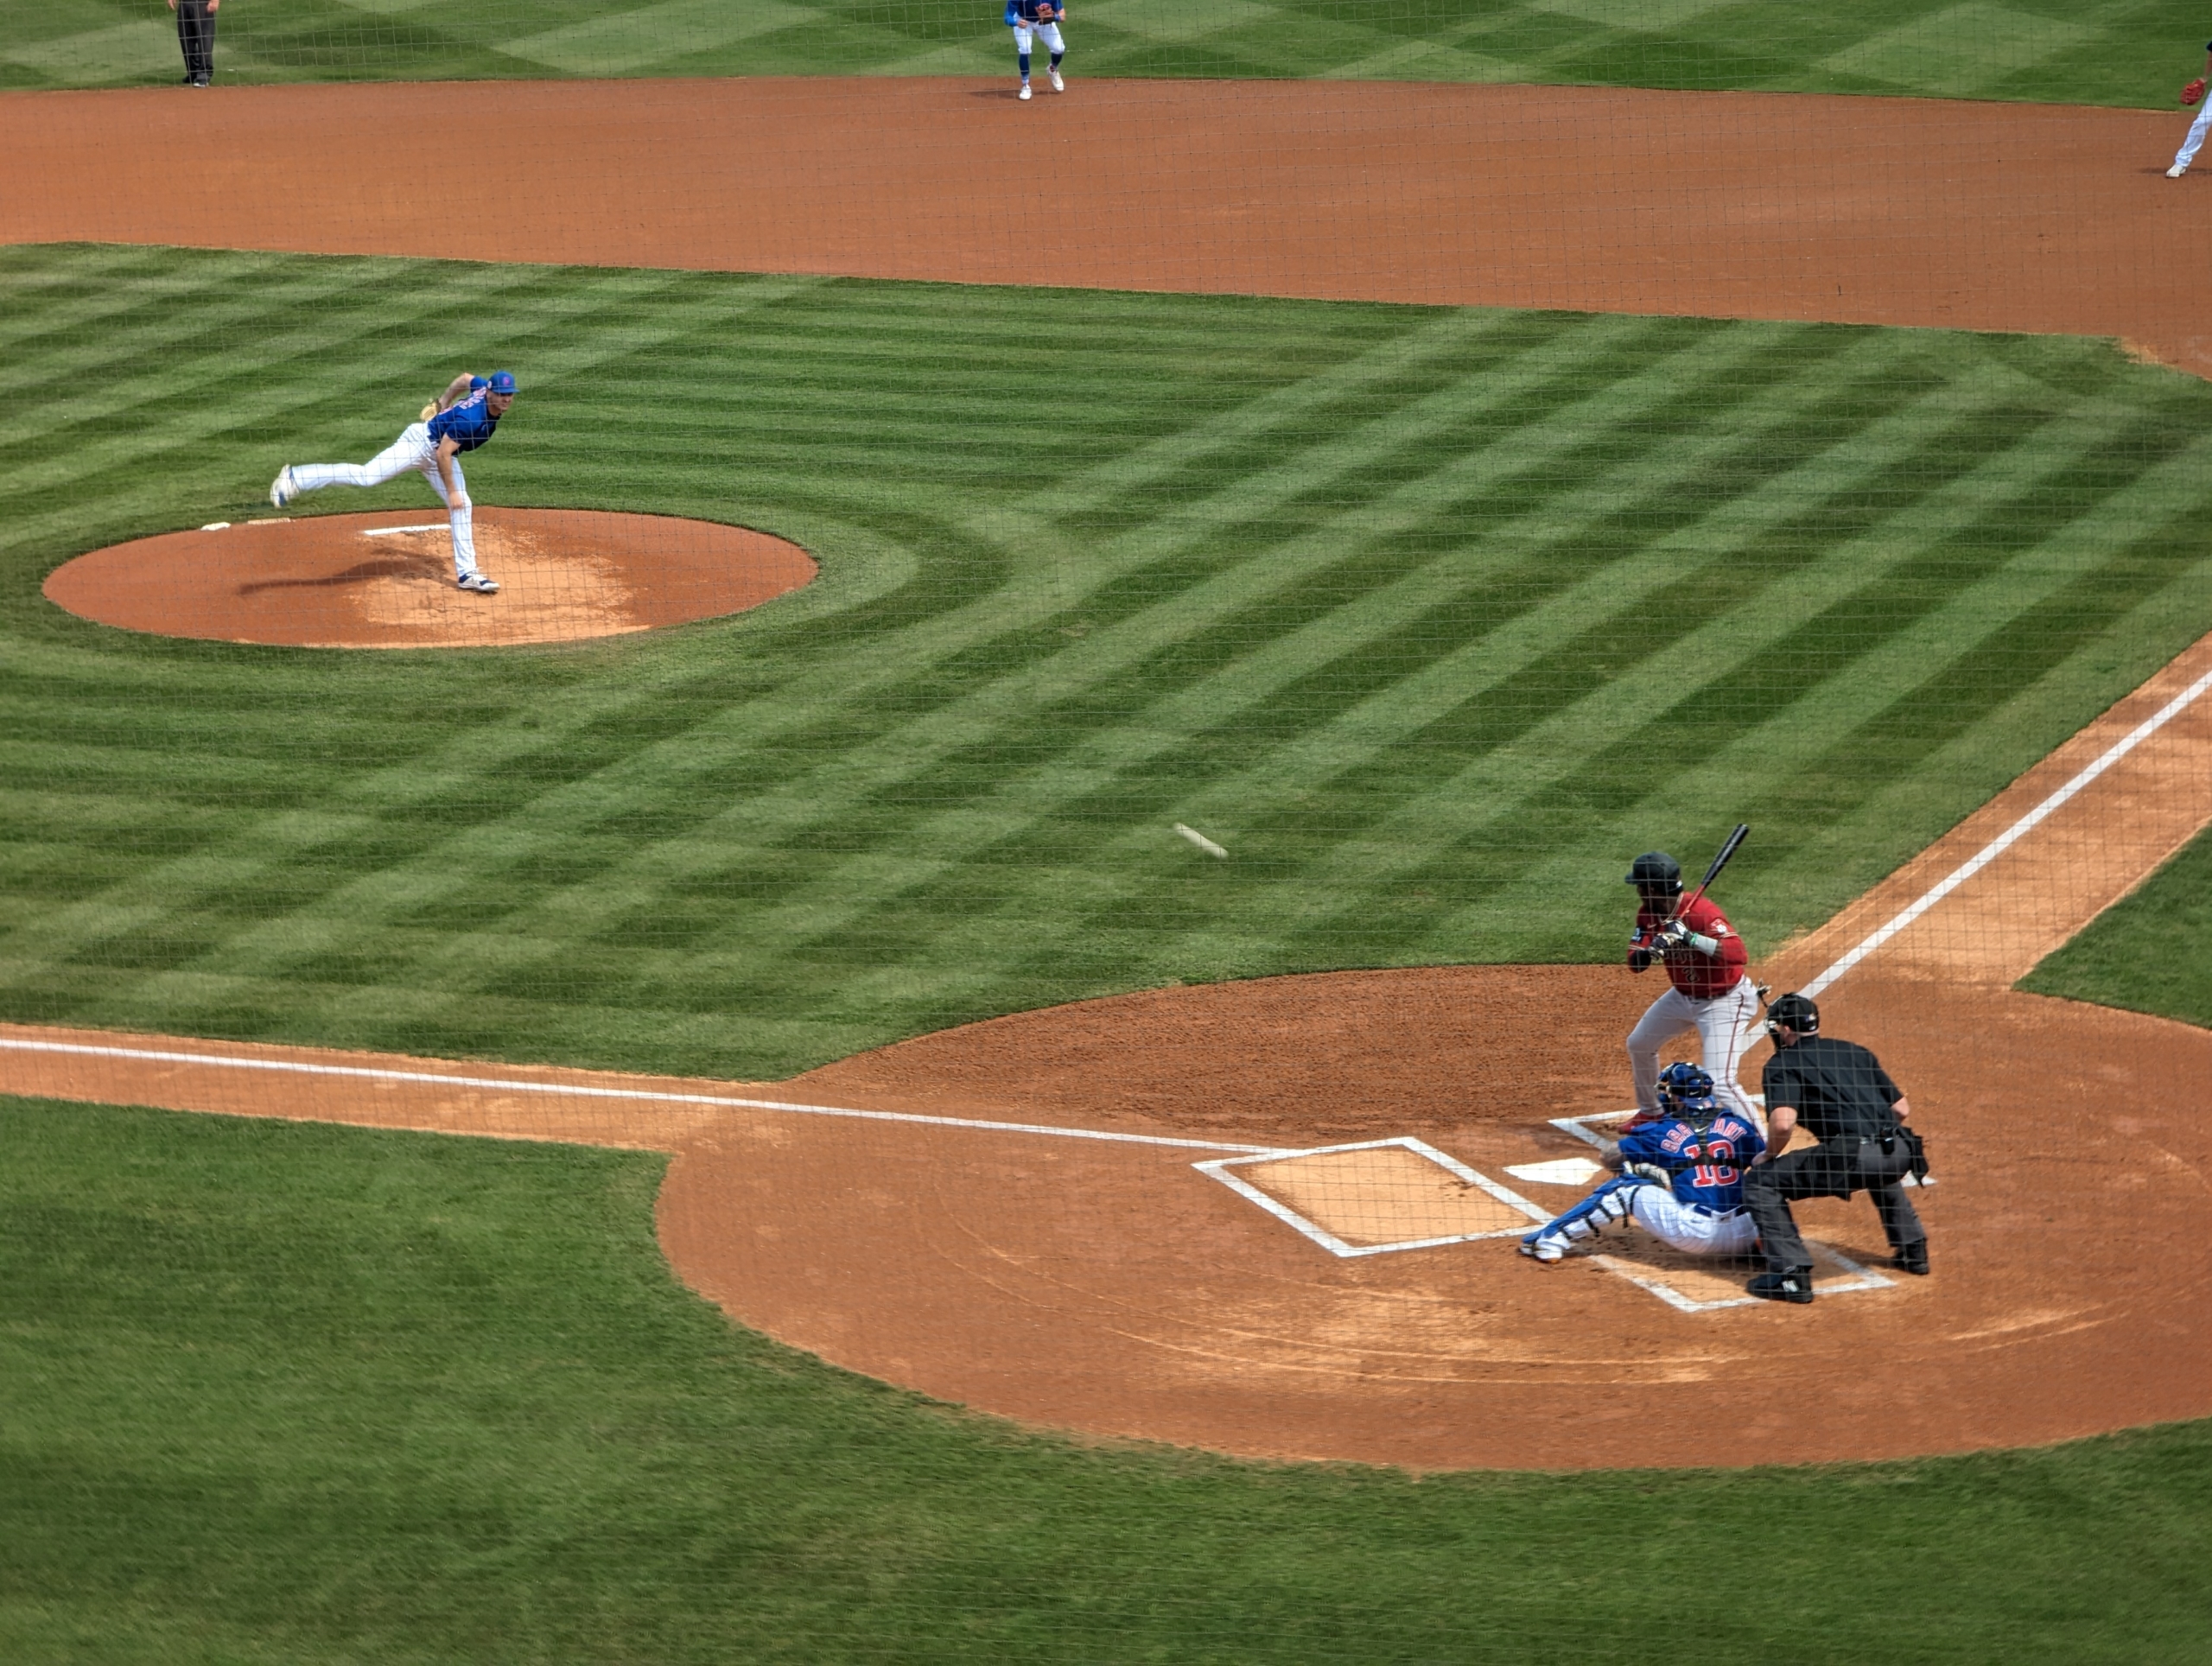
(2193, 92)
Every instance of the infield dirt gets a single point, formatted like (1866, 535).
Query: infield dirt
(1859, 210)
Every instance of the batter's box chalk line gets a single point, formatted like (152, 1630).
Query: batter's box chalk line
(1851, 1276)
(1581, 1128)
(1219, 1168)
(1855, 1277)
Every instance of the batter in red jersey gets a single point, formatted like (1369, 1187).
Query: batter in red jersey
(1705, 961)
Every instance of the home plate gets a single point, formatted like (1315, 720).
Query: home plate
(1564, 1171)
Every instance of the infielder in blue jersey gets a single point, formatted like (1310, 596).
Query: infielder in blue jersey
(1040, 18)
(461, 418)
(1681, 1178)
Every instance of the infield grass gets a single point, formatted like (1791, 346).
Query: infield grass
(287, 1393)
(1433, 618)
(2118, 52)
(2147, 951)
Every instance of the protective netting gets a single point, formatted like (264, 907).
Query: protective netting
(1112, 714)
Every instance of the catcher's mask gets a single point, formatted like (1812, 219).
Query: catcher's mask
(1684, 1082)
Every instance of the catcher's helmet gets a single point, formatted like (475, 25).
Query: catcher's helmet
(1794, 1012)
(1655, 870)
(1685, 1082)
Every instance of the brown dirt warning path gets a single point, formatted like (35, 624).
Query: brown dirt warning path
(1007, 1214)
(386, 580)
(1887, 211)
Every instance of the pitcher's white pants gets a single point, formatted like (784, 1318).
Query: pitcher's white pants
(2195, 142)
(1724, 1025)
(1693, 1231)
(413, 449)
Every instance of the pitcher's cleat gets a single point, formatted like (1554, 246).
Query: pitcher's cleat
(1025, 91)
(482, 585)
(1058, 86)
(282, 490)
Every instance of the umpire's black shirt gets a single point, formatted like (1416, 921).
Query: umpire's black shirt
(1840, 1089)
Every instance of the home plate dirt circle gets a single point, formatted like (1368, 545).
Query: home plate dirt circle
(386, 581)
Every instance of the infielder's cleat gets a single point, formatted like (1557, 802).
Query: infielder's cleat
(1058, 86)
(1795, 1285)
(479, 583)
(2176, 170)
(1913, 1259)
(282, 490)
(1544, 1247)
(1025, 91)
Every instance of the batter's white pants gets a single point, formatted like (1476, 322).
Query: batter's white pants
(1693, 1231)
(1048, 33)
(2195, 142)
(413, 449)
(1724, 1026)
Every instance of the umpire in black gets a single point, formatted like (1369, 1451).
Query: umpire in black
(1838, 1092)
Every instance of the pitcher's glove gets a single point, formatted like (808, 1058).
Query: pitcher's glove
(2193, 92)
(429, 410)
(1048, 14)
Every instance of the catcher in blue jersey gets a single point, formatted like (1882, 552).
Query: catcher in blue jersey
(1681, 1178)
(1041, 19)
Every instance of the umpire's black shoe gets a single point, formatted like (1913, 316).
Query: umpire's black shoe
(1794, 1285)
(1913, 1258)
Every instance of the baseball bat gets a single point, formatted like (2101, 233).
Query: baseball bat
(1713, 873)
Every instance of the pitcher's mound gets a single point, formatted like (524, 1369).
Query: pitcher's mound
(386, 581)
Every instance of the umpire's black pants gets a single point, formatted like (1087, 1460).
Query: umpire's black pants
(1830, 1171)
(196, 33)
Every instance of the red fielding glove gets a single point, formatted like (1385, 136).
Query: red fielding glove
(2193, 92)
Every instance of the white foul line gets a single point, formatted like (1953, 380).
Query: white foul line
(566, 1089)
(2019, 829)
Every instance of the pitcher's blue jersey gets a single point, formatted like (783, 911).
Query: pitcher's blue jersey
(1717, 1180)
(1021, 11)
(467, 424)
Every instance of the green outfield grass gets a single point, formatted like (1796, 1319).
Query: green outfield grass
(1433, 617)
(2147, 951)
(295, 1393)
(2122, 51)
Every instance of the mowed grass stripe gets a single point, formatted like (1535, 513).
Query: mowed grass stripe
(1412, 830)
(1907, 645)
(884, 765)
(1178, 702)
(693, 751)
(1401, 598)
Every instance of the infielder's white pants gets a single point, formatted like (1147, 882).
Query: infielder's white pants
(413, 449)
(1724, 1025)
(1693, 1231)
(2195, 142)
(1048, 33)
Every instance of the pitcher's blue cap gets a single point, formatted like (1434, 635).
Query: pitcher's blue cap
(503, 381)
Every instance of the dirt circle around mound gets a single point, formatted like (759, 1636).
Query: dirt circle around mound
(386, 580)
